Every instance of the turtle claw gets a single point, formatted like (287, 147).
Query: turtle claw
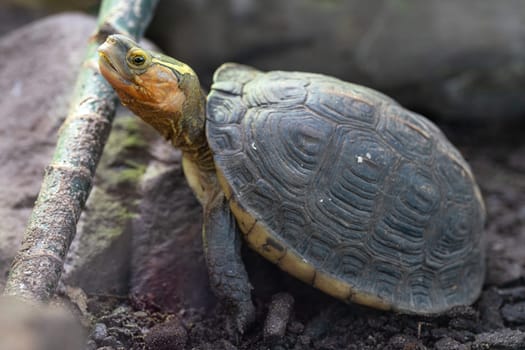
(244, 316)
(241, 317)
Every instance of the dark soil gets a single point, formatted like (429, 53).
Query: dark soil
(315, 321)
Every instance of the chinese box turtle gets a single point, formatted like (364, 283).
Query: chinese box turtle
(335, 183)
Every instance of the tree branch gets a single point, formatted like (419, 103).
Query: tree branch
(37, 267)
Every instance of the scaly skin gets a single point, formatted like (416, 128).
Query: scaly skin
(166, 94)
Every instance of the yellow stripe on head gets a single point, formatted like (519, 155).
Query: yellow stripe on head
(181, 68)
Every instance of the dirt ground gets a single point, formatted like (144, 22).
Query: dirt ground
(292, 315)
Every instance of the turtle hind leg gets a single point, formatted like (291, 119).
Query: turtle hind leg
(228, 276)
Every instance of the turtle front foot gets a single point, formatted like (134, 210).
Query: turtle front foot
(228, 278)
(234, 292)
(241, 316)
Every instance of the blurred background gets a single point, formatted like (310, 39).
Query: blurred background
(457, 60)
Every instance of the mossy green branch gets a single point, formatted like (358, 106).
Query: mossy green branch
(37, 267)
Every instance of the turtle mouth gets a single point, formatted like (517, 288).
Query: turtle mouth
(107, 61)
(111, 70)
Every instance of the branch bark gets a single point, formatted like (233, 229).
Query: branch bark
(37, 267)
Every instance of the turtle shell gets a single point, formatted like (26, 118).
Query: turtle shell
(345, 189)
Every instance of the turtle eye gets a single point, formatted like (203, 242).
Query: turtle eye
(137, 58)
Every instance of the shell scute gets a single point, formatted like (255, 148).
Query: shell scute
(329, 101)
(275, 89)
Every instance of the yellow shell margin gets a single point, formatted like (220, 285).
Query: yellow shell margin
(262, 241)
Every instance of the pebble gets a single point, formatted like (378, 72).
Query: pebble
(512, 294)
(505, 339)
(100, 331)
(279, 313)
(463, 311)
(170, 335)
(514, 313)
(465, 324)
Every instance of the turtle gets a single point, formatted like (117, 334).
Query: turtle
(336, 183)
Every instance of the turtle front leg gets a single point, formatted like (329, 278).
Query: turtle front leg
(222, 249)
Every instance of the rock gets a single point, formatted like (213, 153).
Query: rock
(141, 229)
(279, 313)
(36, 86)
(54, 5)
(463, 311)
(168, 261)
(461, 60)
(512, 294)
(514, 313)
(275, 35)
(455, 59)
(99, 258)
(506, 339)
(464, 320)
(463, 324)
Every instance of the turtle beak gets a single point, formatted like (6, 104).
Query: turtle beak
(104, 58)
(112, 60)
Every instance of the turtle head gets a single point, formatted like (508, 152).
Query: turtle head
(161, 90)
